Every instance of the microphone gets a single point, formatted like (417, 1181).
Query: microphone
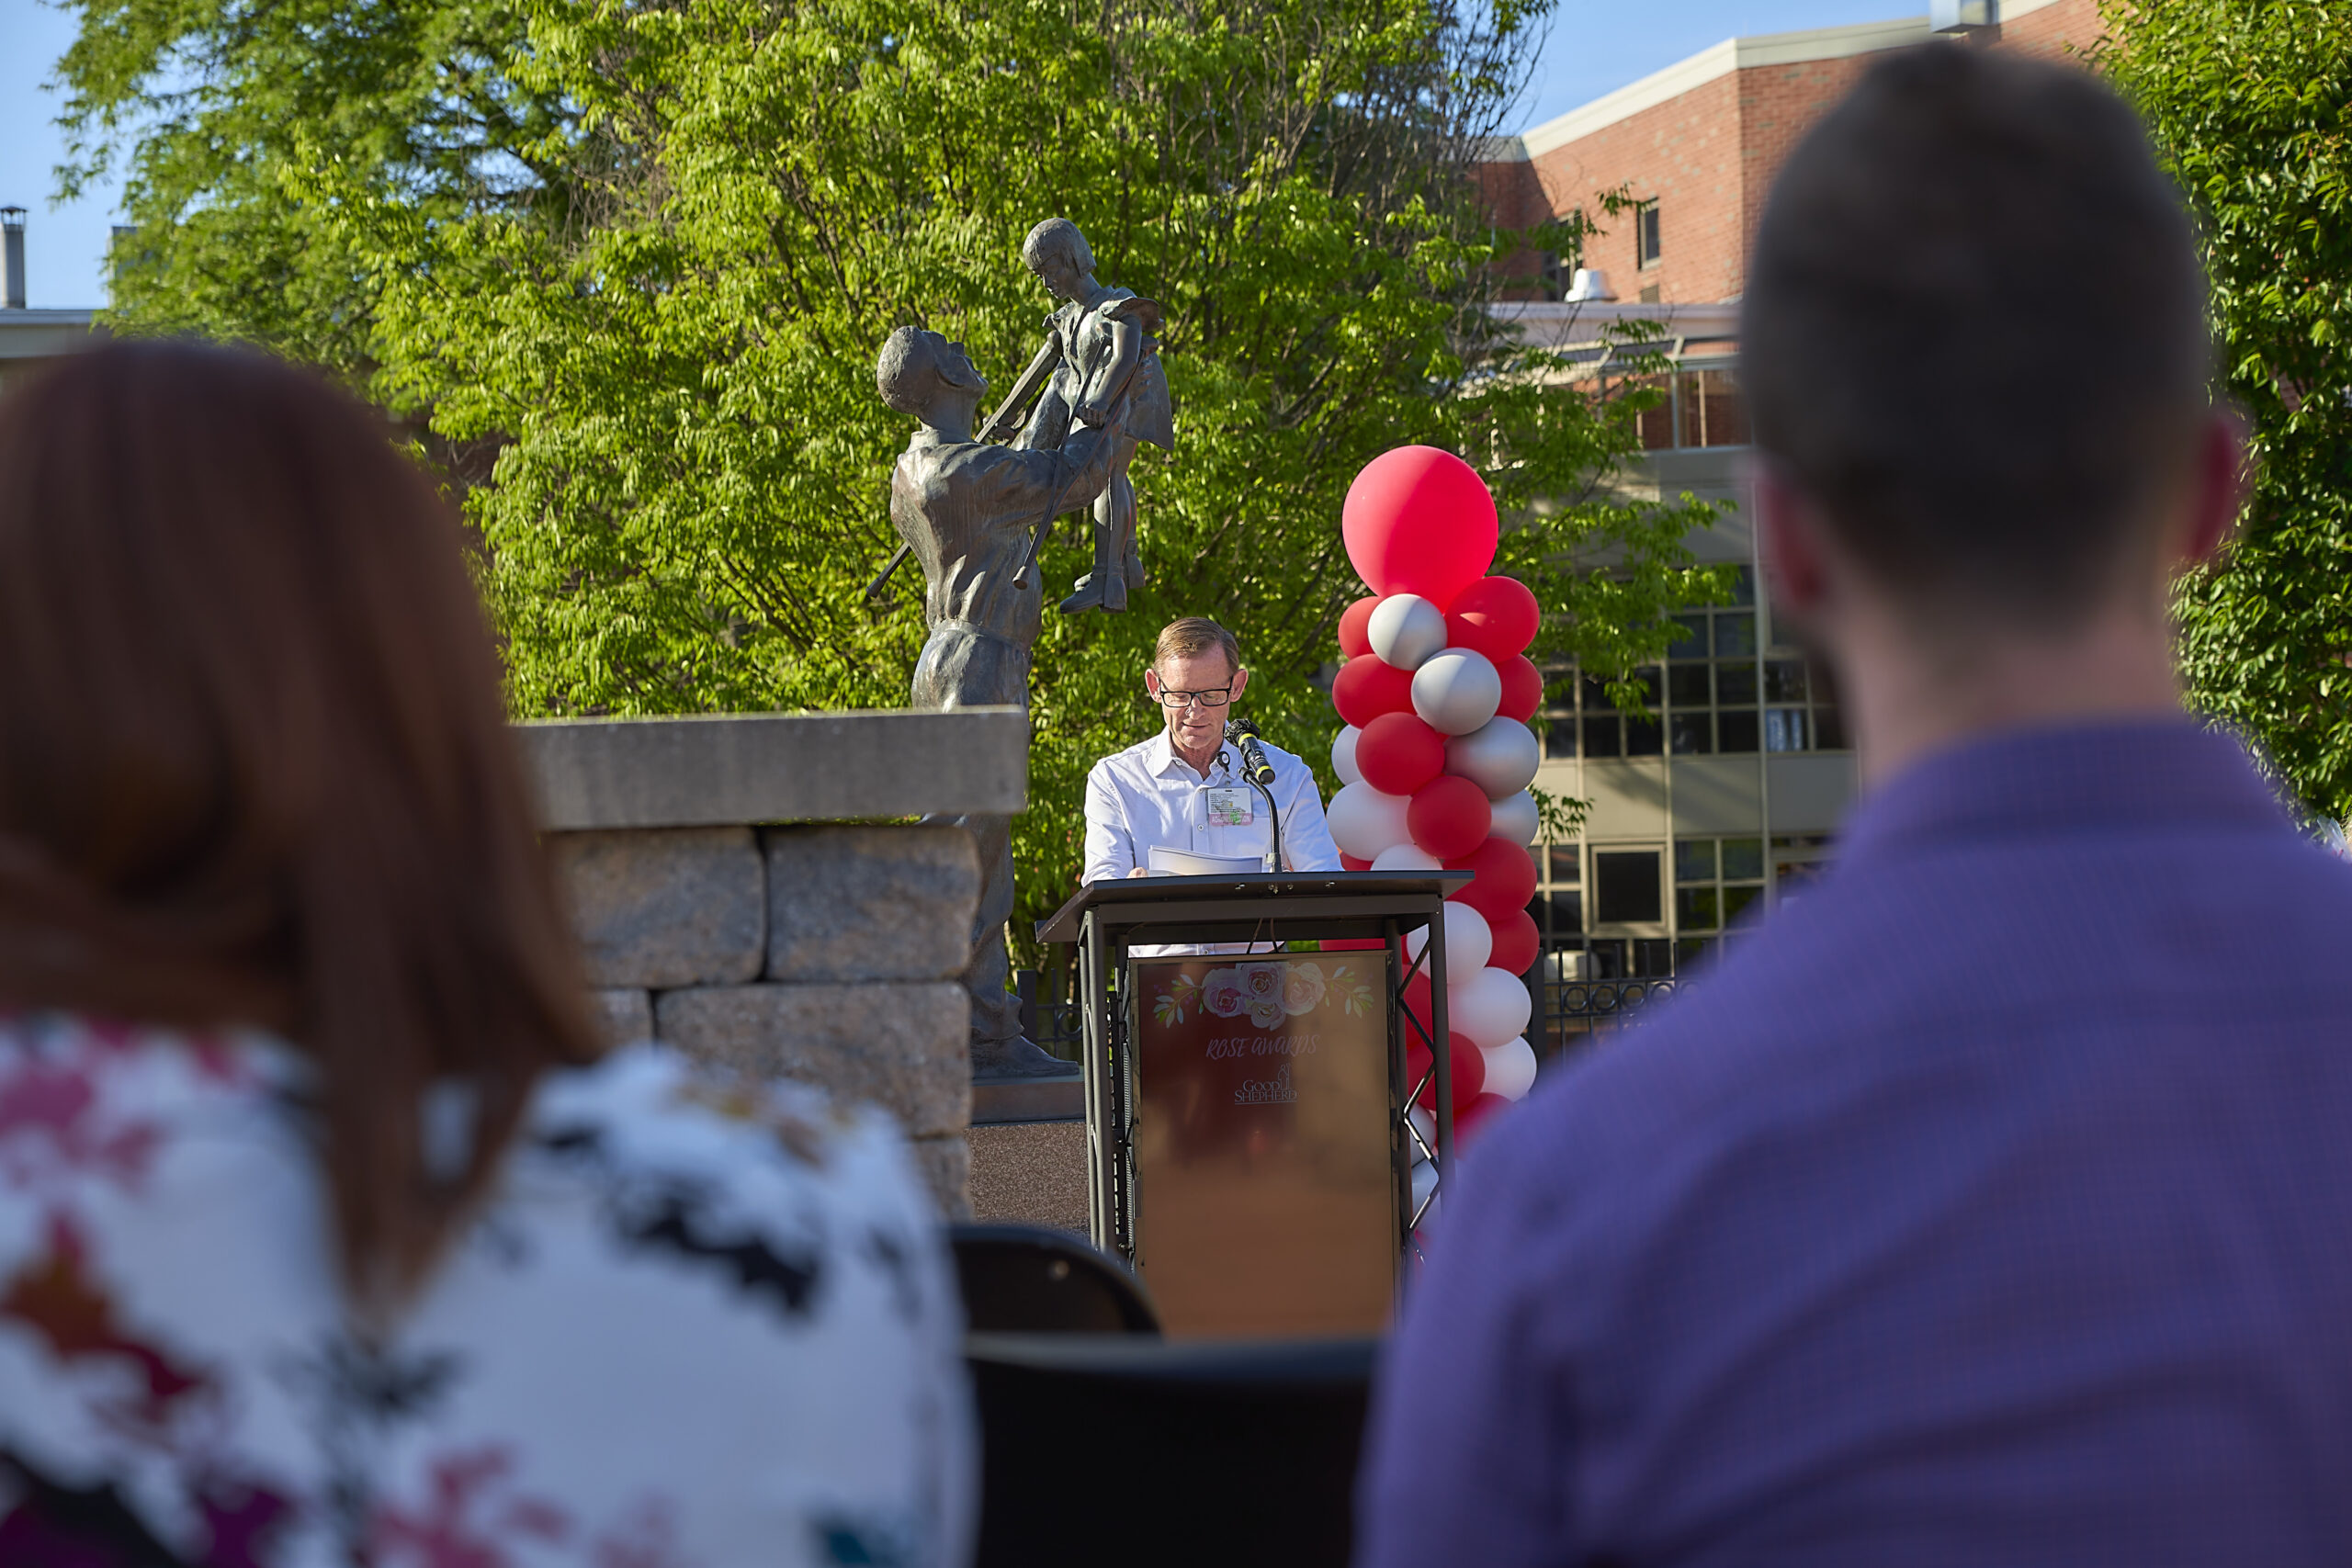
(1243, 735)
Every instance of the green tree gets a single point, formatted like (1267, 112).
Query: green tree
(665, 327)
(208, 105)
(2250, 103)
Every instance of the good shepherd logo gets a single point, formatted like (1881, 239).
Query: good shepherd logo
(1275, 1091)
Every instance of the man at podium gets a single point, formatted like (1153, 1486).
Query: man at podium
(1182, 801)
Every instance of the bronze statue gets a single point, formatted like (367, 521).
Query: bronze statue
(1105, 344)
(965, 509)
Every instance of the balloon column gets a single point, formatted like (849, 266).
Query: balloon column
(1436, 757)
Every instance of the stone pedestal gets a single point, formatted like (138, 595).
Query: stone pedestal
(832, 954)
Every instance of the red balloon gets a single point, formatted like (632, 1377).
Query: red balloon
(1448, 817)
(1522, 687)
(1469, 1070)
(1417, 1002)
(1470, 1119)
(1497, 615)
(1516, 942)
(1502, 881)
(1397, 753)
(1350, 863)
(1419, 521)
(1366, 688)
(1353, 621)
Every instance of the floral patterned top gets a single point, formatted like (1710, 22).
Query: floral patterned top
(692, 1328)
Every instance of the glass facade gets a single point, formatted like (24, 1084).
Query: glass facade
(1714, 696)
(1641, 909)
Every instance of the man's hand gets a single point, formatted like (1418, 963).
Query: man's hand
(1137, 871)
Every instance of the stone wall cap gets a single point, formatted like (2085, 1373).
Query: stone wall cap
(705, 769)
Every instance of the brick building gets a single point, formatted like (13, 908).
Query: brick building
(1730, 789)
(1694, 147)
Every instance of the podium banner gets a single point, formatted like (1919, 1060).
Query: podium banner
(1265, 1172)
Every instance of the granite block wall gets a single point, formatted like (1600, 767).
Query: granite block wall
(829, 955)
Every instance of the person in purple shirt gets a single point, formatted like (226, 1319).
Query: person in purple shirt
(1992, 1205)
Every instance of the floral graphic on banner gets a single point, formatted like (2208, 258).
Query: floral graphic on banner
(1265, 992)
(1355, 993)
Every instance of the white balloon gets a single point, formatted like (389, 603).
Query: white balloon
(1426, 1126)
(1457, 691)
(1510, 1067)
(1469, 942)
(1500, 757)
(1343, 756)
(1406, 857)
(1490, 1007)
(1515, 820)
(1364, 822)
(1405, 629)
(1424, 1183)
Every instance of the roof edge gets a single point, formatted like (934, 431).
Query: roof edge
(1721, 59)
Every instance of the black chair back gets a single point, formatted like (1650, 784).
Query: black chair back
(1029, 1279)
(1142, 1452)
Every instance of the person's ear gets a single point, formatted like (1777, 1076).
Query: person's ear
(1241, 680)
(1151, 683)
(1790, 540)
(2220, 478)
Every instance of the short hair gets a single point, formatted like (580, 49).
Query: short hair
(907, 373)
(1191, 638)
(1975, 332)
(1058, 237)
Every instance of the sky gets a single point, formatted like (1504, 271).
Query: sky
(1593, 47)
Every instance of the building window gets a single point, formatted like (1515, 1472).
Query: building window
(1625, 887)
(1711, 677)
(1559, 904)
(1800, 708)
(1709, 698)
(1714, 882)
(1797, 859)
(1645, 233)
(1709, 410)
(1702, 407)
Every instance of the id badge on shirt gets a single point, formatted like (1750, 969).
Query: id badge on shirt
(1231, 807)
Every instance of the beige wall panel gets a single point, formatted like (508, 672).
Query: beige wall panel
(1628, 797)
(1810, 793)
(1717, 796)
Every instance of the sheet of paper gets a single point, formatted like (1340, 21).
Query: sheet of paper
(1166, 862)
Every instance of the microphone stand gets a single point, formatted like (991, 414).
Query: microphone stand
(1274, 814)
(1238, 733)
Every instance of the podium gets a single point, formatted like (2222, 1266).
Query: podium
(1249, 1148)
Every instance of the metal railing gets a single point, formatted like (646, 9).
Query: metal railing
(1571, 1014)
(1053, 1025)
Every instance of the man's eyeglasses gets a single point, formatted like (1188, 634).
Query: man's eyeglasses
(1216, 699)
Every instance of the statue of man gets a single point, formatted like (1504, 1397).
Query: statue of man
(1109, 348)
(965, 509)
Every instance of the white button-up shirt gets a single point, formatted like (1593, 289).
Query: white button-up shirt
(1148, 796)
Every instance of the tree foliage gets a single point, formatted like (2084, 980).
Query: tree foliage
(207, 107)
(2250, 103)
(645, 253)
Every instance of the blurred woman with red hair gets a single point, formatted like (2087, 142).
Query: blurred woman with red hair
(325, 1235)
